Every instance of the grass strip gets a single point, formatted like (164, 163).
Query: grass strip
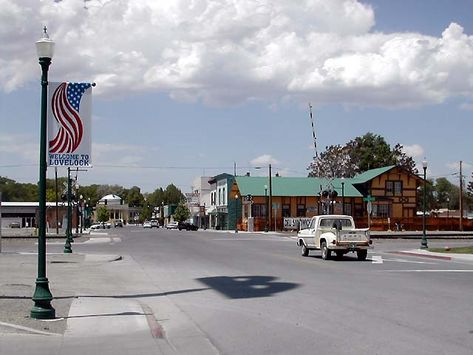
(457, 250)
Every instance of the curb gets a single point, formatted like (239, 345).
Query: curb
(438, 256)
(432, 256)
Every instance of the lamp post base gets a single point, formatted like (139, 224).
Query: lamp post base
(67, 247)
(423, 244)
(42, 298)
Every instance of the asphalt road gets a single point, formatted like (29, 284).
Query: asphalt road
(255, 294)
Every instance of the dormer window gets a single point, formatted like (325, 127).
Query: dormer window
(394, 188)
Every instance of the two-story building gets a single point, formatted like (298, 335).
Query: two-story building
(386, 195)
(222, 211)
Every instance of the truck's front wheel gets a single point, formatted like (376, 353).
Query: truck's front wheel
(304, 250)
(326, 252)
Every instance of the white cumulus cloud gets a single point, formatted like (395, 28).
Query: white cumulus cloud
(232, 51)
(263, 161)
(414, 150)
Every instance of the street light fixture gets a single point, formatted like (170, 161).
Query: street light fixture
(236, 213)
(42, 297)
(424, 237)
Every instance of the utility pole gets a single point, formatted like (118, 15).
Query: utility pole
(461, 197)
(270, 207)
(314, 139)
(0, 221)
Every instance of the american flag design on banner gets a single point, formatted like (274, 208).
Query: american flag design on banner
(69, 124)
(65, 105)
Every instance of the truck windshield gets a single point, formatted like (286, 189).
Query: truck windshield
(336, 223)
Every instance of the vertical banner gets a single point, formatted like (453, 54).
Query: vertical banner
(69, 124)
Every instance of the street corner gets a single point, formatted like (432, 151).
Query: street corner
(425, 253)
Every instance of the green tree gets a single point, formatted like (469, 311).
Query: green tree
(333, 162)
(146, 212)
(370, 152)
(90, 194)
(13, 191)
(430, 200)
(133, 197)
(182, 213)
(469, 195)
(172, 195)
(102, 214)
(157, 197)
(447, 194)
(358, 155)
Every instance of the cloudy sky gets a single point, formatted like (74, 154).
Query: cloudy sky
(196, 87)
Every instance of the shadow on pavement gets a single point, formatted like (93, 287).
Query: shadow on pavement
(247, 286)
(139, 295)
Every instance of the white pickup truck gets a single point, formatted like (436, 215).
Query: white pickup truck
(334, 233)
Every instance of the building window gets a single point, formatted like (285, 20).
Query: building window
(258, 210)
(358, 210)
(347, 209)
(224, 195)
(382, 211)
(393, 188)
(212, 197)
(300, 210)
(286, 210)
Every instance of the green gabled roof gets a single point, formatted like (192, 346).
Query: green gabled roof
(370, 174)
(293, 186)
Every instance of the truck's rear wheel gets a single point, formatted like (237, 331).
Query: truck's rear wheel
(361, 254)
(304, 250)
(326, 252)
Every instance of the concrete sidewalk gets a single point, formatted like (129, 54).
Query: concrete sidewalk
(444, 256)
(104, 305)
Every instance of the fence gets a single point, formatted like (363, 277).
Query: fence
(415, 224)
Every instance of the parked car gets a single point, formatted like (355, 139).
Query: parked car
(187, 226)
(15, 225)
(147, 224)
(171, 225)
(99, 225)
(118, 223)
(154, 223)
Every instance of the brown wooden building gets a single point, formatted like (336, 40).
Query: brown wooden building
(388, 196)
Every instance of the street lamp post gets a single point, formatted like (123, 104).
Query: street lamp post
(162, 213)
(42, 297)
(343, 196)
(267, 208)
(236, 213)
(67, 244)
(81, 204)
(424, 237)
